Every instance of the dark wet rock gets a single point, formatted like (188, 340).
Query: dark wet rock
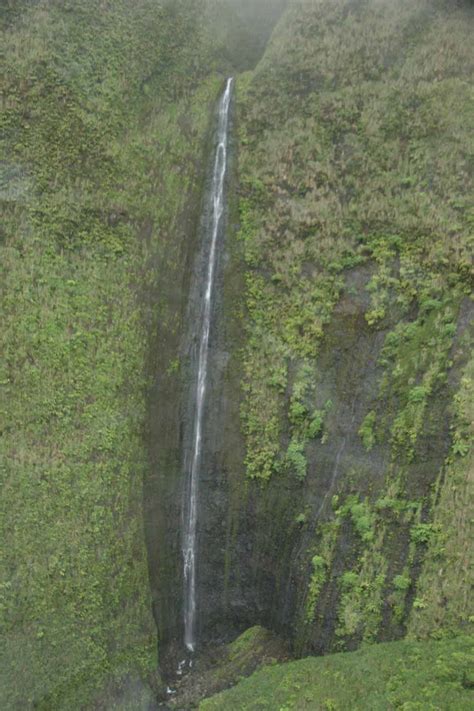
(219, 668)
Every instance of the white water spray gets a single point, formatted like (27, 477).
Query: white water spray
(192, 489)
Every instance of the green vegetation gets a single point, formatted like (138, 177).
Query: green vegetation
(361, 515)
(447, 574)
(355, 154)
(228, 664)
(305, 424)
(321, 572)
(317, 580)
(367, 431)
(397, 599)
(356, 223)
(402, 675)
(362, 587)
(248, 642)
(102, 130)
(309, 206)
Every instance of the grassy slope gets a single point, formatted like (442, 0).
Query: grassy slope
(357, 153)
(102, 131)
(397, 675)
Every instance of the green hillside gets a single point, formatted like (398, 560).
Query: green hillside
(104, 116)
(356, 184)
(398, 675)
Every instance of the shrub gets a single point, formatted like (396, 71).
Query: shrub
(422, 533)
(298, 412)
(401, 582)
(296, 459)
(418, 394)
(316, 425)
(361, 515)
(349, 580)
(318, 578)
(366, 431)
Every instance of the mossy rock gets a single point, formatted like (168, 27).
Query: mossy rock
(216, 671)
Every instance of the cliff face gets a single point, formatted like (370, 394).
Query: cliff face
(105, 112)
(336, 483)
(355, 171)
(106, 117)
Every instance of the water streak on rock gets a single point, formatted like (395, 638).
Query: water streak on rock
(192, 482)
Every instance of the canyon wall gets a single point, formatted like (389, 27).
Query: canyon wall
(347, 519)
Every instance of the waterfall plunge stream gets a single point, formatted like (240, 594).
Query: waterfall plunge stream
(192, 475)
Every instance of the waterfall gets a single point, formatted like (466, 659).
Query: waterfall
(192, 481)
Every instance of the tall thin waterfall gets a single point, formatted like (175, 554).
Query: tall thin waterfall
(192, 488)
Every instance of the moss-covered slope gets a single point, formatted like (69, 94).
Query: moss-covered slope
(102, 133)
(397, 675)
(356, 159)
